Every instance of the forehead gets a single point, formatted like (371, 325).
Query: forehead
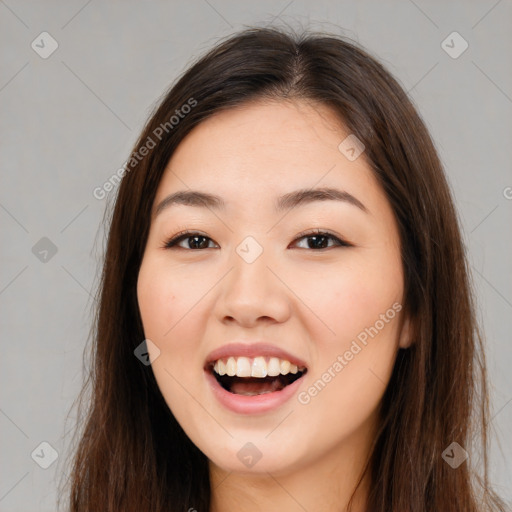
(264, 149)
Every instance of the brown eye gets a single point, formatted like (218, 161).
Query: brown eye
(316, 240)
(320, 240)
(194, 241)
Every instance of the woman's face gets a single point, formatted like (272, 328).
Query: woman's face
(255, 287)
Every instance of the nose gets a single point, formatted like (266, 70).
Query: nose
(253, 293)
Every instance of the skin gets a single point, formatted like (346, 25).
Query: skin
(311, 302)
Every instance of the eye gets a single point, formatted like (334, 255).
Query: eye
(318, 239)
(193, 239)
(198, 241)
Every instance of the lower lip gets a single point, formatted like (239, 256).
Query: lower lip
(244, 404)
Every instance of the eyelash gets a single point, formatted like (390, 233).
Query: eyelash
(172, 242)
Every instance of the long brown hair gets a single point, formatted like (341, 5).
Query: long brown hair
(132, 454)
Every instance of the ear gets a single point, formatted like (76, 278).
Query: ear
(406, 336)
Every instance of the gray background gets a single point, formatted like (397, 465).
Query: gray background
(69, 121)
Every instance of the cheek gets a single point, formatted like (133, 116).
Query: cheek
(352, 297)
(356, 303)
(173, 311)
(156, 299)
(353, 366)
(165, 296)
(165, 306)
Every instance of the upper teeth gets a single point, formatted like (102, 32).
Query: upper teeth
(254, 367)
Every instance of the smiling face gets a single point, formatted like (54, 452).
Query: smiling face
(253, 270)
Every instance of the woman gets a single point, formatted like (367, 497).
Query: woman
(285, 319)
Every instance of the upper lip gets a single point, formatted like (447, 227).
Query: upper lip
(252, 350)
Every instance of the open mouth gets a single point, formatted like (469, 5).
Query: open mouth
(228, 375)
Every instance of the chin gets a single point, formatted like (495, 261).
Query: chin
(257, 457)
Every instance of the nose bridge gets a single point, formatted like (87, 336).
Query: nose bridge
(251, 290)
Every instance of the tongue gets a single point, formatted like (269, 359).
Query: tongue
(255, 386)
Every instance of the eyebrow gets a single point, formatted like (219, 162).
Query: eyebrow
(285, 202)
